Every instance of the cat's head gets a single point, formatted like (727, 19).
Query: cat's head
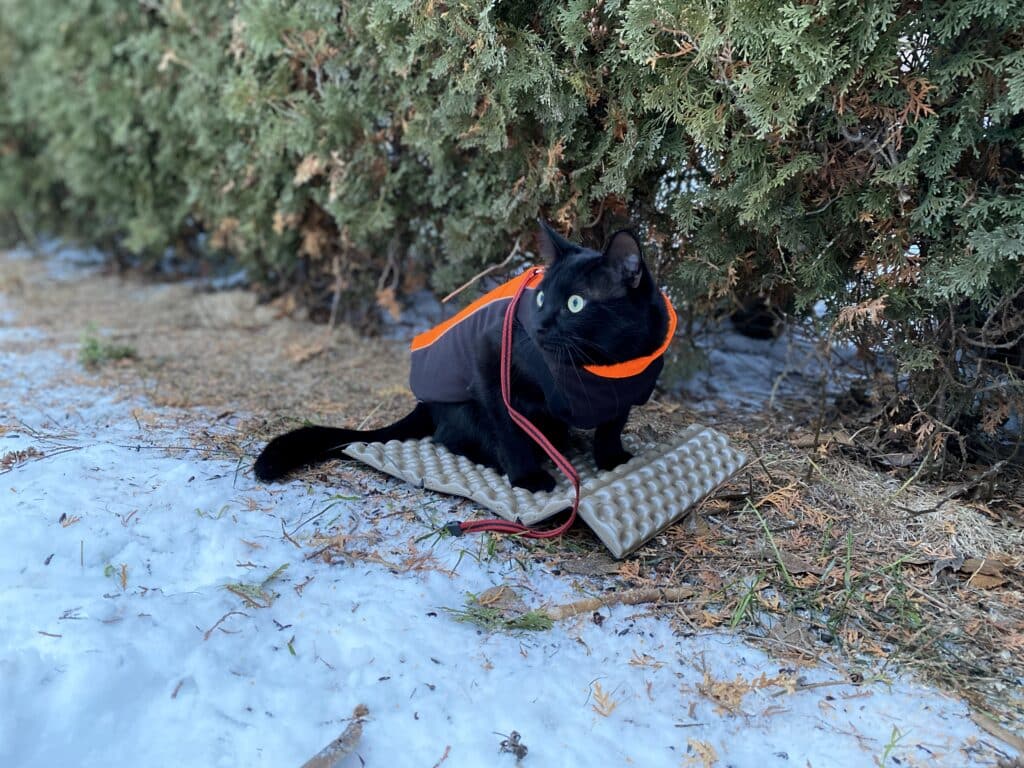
(596, 307)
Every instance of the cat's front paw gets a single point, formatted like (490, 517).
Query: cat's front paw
(537, 480)
(611, 458)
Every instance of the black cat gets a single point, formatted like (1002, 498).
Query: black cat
(588, 341)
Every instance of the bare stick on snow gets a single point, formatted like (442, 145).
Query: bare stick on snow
(627, 597)
(332, 755)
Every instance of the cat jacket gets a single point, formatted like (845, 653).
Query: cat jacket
(442, 359)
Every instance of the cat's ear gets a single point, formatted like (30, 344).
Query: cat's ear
(624, 254)
(551, 244)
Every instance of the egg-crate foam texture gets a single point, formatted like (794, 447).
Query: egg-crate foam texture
(625, 506)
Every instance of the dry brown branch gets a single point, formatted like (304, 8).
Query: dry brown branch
(206, 635)
(959, 489)
(812, 686)
(343, 746)
(447, 751)
(1010, 321)
(991, 726)
(516, 250)
(627, 597)
(293, 541)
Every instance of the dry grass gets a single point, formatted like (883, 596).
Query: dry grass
(221, 351)
(816, 554)
(807, 552)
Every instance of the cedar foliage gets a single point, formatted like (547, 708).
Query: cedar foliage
(867, 154)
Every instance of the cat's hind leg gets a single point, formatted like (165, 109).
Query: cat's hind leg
(460, 427)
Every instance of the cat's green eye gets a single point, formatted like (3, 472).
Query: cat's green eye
(540, 298)
(576, 303)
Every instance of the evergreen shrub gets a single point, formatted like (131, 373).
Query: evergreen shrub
(865, 154)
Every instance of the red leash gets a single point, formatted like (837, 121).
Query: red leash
(507, 526)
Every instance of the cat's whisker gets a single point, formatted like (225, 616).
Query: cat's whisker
(575, 369)
(576, 343)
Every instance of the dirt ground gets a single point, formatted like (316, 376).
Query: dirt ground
(809, 551)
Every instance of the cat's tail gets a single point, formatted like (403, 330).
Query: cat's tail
(312, 445)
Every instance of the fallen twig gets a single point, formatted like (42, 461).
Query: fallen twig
(332, 755)
(206, 635)
(957, 490)
(447, 751)
(9, 461)
(1003, 734)
(627, 597)
(811, 686)
(366, 419)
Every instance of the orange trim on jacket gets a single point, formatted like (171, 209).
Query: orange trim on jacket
(508, 289)
(638, 364)
(503, 292)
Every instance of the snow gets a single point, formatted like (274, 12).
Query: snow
(120, 645)
(745, 374)
(64, 261)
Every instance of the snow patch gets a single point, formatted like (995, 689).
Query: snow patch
(745, 374)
